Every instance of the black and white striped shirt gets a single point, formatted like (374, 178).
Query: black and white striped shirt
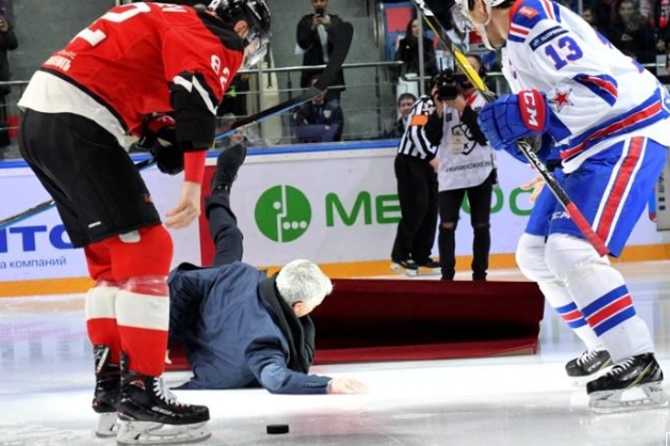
(414, 142)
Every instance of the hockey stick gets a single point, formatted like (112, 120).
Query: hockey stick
(343, 34)
(476, 80)
(343, 37)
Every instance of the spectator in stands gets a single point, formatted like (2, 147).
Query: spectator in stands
(408, 51)
(243, 136)
(8, 42)
(631, 33)
(405, 103)
(604, 10)
(589, 15)
(315, 41)
(318, 120)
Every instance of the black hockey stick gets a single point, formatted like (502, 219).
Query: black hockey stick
(343, 34)
(476, 80)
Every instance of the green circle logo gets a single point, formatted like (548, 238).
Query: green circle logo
(283, 213)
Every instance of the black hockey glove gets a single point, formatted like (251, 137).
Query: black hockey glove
(160, 138)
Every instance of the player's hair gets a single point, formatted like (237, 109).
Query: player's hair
(303, 281)
(404, 96)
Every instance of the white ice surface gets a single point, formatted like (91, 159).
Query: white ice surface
(46, 386)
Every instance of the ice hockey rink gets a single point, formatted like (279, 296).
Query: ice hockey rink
(46, 383)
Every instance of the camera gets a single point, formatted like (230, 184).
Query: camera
(320, 12)
(447, 85)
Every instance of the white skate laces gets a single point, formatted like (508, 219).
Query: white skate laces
(586, 356)
(164, 393)
(618, 369)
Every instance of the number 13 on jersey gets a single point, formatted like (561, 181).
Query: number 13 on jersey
(566, 50)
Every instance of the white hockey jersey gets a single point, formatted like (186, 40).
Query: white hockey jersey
(463, 162)
(597, 94)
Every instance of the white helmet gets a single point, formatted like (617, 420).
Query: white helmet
(463, 20)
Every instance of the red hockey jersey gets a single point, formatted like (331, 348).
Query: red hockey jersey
(133, 58)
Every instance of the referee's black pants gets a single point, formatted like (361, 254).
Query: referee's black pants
(417, 192)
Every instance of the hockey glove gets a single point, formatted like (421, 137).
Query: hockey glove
(160, 138)
(513, 117)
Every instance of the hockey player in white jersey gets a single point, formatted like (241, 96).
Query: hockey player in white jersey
(609, 119)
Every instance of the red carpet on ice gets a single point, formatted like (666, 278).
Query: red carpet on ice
(402, 320)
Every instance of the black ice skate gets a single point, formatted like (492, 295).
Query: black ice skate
(430, 267)
(227, 165)
(408, 267)
(634, 384)
(591, 364)
(150, 414)
(106, 394)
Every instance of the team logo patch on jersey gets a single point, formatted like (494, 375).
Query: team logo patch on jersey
(547, 36)
(527, 11)
(560, 99)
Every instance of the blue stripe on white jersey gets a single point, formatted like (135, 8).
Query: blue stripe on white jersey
(602, 85)
(589, 83)
(645, 114)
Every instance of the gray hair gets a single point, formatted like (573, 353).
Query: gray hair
(303, 281)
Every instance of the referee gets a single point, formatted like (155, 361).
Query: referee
(415, 169)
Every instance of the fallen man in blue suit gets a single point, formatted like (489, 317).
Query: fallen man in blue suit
(240, 328)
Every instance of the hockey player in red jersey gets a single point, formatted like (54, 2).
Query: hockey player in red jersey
(119, 77)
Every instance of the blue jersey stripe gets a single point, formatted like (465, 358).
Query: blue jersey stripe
(613, 321)
(643, 122)
(603, 86)
(605, 300)
(576, 324)
(566, 308)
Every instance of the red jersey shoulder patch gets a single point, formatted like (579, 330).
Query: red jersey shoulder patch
(528, 12)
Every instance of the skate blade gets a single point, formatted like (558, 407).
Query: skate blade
(107, 425)
(147, 433)
(649, 396)
(395, 267)
(424, 271)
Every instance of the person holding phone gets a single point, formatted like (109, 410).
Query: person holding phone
(315, 42)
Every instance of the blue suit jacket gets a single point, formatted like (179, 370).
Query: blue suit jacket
(229, 336)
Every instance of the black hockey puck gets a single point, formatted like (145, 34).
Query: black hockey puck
(276, 428)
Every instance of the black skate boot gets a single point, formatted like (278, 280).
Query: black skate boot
(150, 414)
(588, 366)
(106, 394)
(408, 267)
(227, 165)
(640, 374)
